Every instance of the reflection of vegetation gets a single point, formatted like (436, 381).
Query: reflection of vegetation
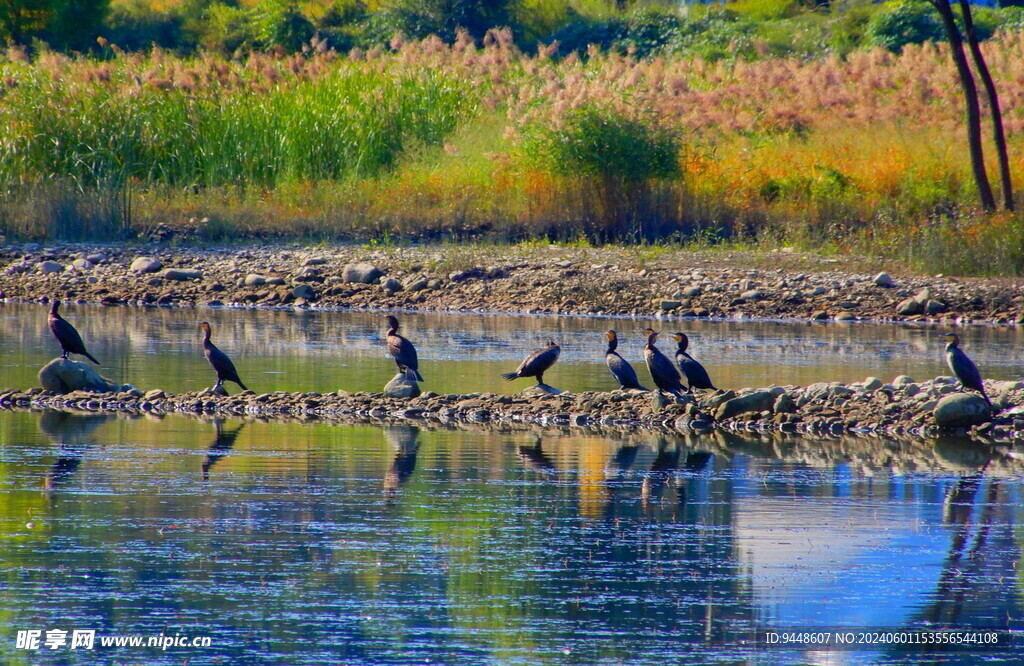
(476, 558)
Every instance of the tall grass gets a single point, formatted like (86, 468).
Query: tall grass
(214, 123)
(429, 140)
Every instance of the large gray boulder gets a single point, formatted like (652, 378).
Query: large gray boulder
(401, 386)
(961, 410)
(758, 401)
(909, 307)
(362, 273)
(62, 375)
(304, 291)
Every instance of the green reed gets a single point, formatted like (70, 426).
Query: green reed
(133, 123)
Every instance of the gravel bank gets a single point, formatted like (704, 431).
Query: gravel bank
(900, 408)
(777, 285)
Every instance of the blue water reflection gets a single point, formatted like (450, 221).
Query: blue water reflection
(394, 544)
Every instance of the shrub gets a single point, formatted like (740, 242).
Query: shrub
(598, 140)
(904, 22)
(280, 23)
(136, 25)
(418, 19)
(646, 33)
(616, 154)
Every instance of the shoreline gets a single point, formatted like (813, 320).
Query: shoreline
(902, 408)
(616, 282)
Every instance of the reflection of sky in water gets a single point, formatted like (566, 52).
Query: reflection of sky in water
(315, 543)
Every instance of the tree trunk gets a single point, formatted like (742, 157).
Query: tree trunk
(993, 103)
(956, 48)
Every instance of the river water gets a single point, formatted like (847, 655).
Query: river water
(310, 543)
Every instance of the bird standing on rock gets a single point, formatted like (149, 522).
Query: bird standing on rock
(221, 363)
(402, 350)
(963, 367)
(662, 370)
(620, 367)
(536, 364)
(69, 339)
(696, 376)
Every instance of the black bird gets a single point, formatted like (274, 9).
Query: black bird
(696, 376)
(662, 370)
(69, 339)
(536, 364)
(402, 350)
(623, 372)
(221, 363)
(963, 367)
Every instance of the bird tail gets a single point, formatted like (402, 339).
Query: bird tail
(510, 375)
(244, 387)
(413, 374)
(89, 356)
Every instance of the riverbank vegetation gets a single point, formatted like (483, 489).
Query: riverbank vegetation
(858, 151)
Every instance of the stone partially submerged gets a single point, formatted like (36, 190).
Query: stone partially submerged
(961, 410)
(62, 375)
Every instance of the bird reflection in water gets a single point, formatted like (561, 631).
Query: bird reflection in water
(222, 444)
(666, 468)
(963, 571)
(535, 459)
(73, 434)
(663, 469)
(405, 440)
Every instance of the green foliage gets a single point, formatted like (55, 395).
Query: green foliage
(767, 10)
(280, 23)
(1010, 18)
(226, 28)
(648, 32)
(136, 25)
(417, 19)
(848, 30)
(904, 22)
(343, 24)
(600, 141)
(63, 24)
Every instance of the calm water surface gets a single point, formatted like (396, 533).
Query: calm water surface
(326, 351)
(291, 543)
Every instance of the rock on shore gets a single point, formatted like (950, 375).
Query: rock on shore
(62, 375)
(541, 280)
